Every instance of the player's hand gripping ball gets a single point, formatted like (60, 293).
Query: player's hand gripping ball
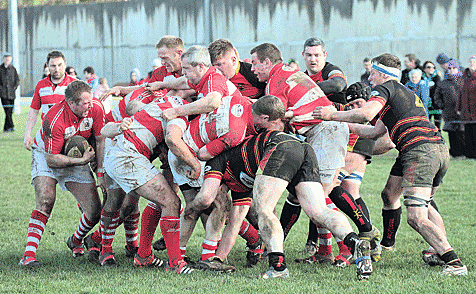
(75, 146)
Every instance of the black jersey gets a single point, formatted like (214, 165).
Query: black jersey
(404, 116)
(271, 153)
(331, 71)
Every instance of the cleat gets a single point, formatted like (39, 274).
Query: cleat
(107, 259)
(214, 263)
(189, 261)
(310, 247)
(454, 270)
(431, 258)
(376, 252)
(392, 248)
(374, 237)
(77, 250)
(342, 260)
(29, 262)
(255, 251)
(94, 249)
(316, 258)
(363, 260)
(271, 273)
(131, 252)
(181, 268)
(159, 245)
(149, 261)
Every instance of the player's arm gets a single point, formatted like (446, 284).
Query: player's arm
(333, 85)
(112, 129)
(204, 105)
(383, 145)
(30, 124)
(177, 146)
(62, 161)
(204, 198)
(359, 115)
(119, 91)
(368, 131)
(180, 83)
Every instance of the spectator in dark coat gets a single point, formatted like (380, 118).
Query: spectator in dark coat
(446, 94)
(466, 105)
(9, 82)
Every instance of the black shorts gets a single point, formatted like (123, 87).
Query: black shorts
(292, 161)
(364, 147)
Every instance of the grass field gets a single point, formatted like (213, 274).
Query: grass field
(402, 271)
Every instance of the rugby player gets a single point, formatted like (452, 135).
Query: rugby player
(423, 155)
(79, 114)
(278, 160)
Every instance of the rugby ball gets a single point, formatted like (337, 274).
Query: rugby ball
(75, 146)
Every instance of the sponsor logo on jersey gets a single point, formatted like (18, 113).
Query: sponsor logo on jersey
(247, 180)
(207, 168)
(237, 110)
(46, 91)
(374, 93)
(86, 124)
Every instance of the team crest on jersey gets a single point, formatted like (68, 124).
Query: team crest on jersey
(86, 124)
(247, 180)
(237, 110)
(69, 132)
(374, 93)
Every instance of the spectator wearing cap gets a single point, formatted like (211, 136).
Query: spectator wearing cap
(135, 77)
(411, 62)
(293, 63)
(466, 105)
(9, 81)
(442, 59)
(446, 94)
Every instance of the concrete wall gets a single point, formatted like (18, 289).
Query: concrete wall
(116, 37)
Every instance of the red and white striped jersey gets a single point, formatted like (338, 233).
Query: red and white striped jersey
(60, 124)
(298, 92)
(148, 128)
(213, 81)
(160, 75)
(119, 111)
(48, 94)
(222, 129)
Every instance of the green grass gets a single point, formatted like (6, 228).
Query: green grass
(399, 272)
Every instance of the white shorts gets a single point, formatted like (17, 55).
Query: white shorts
(179, 170)
(78, 174)
(127, 167)
(329, 140)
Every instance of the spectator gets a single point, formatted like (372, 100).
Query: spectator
(101, 89)
(155, 65)
(431, 78)
(135, 77)
(72, 72)
(46, 70)
(91, 78)
(411, 62)
(294, 64)
(364, 78)
(419, 87)
(442, 59)
(466, 105)
(9, 82)
(446, 94)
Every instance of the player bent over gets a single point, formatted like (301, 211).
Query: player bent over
(128, 164)
(278, 160)
(78, 114)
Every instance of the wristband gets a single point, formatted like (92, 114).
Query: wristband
(100, 175)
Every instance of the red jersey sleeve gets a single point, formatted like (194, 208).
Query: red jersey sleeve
(97, 113)
(36, 101)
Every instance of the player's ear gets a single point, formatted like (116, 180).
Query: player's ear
(179, 52)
